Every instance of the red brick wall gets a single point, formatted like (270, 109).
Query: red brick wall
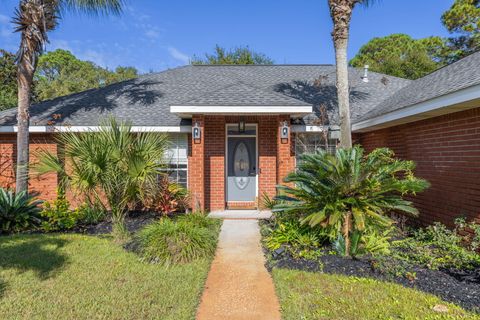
(196, 174)
(207, 158)
(446, 150)
(46, 185)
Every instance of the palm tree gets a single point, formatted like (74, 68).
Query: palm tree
(113, 167)
(347, 192)
(34, 19)
(341, 13)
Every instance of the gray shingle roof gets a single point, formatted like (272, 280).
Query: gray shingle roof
(146, 101)
(456, 76)
(240, 94)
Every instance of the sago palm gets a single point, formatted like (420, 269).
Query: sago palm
(34, 19)
(347, 191)
(341, 13)
(113, 166)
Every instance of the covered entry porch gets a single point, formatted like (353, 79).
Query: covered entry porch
(235, 159)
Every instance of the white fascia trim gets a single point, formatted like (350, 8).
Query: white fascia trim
(40, 129)
(241, 109)
(464, 95)
(307, 128)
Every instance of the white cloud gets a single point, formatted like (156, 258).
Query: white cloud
(178, 55)
(4, 19)
(152, 34)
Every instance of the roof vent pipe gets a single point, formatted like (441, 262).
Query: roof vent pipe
(365, 73)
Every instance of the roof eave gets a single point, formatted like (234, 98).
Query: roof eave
(464, 99)
(188, 111)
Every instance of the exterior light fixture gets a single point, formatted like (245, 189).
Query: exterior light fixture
(241, 125)
(285, 132)
(196, 132)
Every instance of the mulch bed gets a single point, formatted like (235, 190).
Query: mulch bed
(459, 287)
(135, 221)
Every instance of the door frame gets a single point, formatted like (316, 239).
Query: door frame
(257, 170)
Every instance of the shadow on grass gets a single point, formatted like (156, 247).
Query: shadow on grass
(3, 287)
(39, 254)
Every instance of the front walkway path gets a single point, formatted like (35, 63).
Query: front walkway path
(238, 285)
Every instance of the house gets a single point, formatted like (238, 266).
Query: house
(237, 131)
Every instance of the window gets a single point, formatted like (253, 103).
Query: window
(311, 142)
(177, 158)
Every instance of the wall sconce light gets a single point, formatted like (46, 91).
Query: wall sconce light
(285, 132)
(196, 132)
(241, 125)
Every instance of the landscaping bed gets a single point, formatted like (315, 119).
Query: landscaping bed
(451, 286)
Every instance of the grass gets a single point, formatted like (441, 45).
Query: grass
(71, 276)
(305, 295)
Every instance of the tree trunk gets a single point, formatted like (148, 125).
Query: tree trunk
(24, 79)
(347, 226)
(341, 45)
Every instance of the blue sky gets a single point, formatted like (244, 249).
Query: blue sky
(155, 35)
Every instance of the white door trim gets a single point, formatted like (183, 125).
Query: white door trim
(226, 157)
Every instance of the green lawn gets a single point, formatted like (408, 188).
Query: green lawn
(69, 276)
(305, 295)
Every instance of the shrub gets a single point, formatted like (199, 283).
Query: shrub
(92, 214)
(168, 242)
(57, 215)
(299, 240)
(18, 212)
(347, 192)
(167, 197)
(200, 219)
(436, 247)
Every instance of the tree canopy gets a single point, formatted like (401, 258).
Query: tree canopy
(238, 55)
(58, 73)
(400, 55)
(462, 20)
(8, 80)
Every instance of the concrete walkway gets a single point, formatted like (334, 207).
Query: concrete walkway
(241, 214)
(238, 285)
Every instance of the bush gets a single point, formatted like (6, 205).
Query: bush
(347, 192)
(200, 219)
(168, 241)
(18, 212)
(436, 247)
(299, 240)
(167, 197)
(57, 215)
(92, 214)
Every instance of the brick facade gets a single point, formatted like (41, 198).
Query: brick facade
(446, 150)
(44, 186)
(207, 159)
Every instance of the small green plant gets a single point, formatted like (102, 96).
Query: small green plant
(18, 212)
(174, 242)
(91, 214)
(470, 233)
(299, 240)
(436, 247)
(267, 202)
(57, 215)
